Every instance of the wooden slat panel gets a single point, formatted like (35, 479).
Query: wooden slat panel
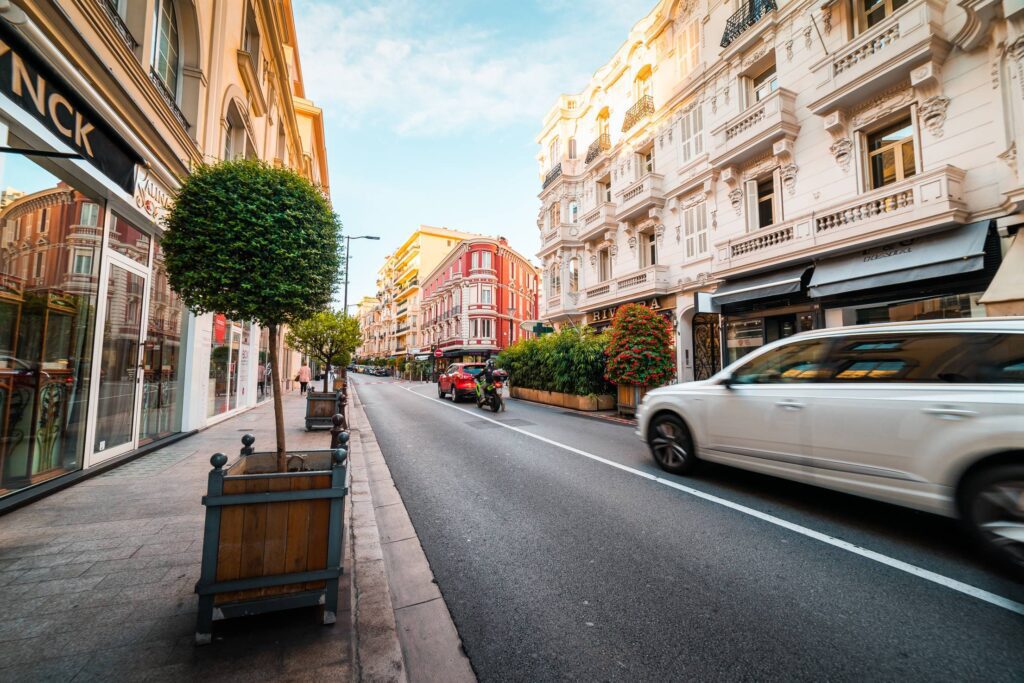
(277, 536)
(298, 528)
(316, 552)
(254, 532)
(229, 551)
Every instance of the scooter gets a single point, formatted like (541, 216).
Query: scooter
(490, 394)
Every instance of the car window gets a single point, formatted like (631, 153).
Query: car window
(930, 357)
(795, 362)
(472, 370)
(450, 370)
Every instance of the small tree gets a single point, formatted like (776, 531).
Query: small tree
(640, 348)
(330, 337)
(253, 242)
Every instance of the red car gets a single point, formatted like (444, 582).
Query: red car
(459, 381)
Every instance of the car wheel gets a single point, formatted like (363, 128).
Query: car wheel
(455, 395)
(671, 444)
(992, 505)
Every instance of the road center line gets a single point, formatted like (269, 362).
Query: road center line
(927, 575)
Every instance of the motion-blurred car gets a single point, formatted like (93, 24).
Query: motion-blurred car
(459, 381)
(928, 415)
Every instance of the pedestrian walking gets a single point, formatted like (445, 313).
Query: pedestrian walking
(305, 374)
(261, 379)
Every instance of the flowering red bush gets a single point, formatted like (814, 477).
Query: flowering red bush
(640, 348)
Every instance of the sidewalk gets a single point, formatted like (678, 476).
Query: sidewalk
(97, 580)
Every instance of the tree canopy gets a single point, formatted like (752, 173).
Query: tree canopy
(329, 336)
(253, 242)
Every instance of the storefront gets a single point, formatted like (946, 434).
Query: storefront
(91, 336)
(601, 319)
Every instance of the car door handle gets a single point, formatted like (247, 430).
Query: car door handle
(949, 412)
(790, 405)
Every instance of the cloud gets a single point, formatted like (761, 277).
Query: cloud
(422, 70)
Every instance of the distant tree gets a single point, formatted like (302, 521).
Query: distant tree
(329, 336)
(253, 242)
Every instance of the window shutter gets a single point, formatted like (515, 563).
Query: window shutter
(698, 130)
(687, 151)
(750, 202)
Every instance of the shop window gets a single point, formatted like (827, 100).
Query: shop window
(129, 241)
(695, 230)
(763, 84)
(90, 215)
(873, 12)
(166, 46)
(692, 133)
(891, 156)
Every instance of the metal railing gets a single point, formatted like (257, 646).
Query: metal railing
(643, 107)
(746, 16)
(602, 144)
(552, 175)
(118, 22)
(168, 97)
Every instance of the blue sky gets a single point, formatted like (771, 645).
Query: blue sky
(431, 108)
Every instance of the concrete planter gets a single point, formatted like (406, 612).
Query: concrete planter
(554, 398)
(272, 540)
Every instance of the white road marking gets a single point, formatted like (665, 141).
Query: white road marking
(914, 570)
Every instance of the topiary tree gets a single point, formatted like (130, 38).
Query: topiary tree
(329, 336)
(253, 242)
(640, 348)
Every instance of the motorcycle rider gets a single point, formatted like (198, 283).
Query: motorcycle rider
(485, 378)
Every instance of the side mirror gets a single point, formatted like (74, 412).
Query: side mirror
(728, 382)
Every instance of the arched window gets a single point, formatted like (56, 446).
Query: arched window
(166, 46)
(642, 84)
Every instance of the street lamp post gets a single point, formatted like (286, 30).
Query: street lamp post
(347, 251)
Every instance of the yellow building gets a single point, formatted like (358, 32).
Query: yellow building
(367, 310)
(399, 286)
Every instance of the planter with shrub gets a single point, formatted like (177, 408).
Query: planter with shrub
(640, 353)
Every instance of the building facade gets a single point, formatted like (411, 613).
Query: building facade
(365, 316)
(753, 169)
(475, 299)
(104, 106)
(398, 284)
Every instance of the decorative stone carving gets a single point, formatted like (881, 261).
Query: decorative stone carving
(933, 114)
(659, 233)
(807, 36)
(788, 173)
(826, 19)
(714, 220)
(702, 278)
(977, 15)
(1010, 156)
(714, 104)
(632, 243)
(593, 259)
(883, 105)
(736, 199)
(614, 250)
(789, 50)
(842, 152)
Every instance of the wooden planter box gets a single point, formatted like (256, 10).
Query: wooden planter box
(629, 396)
(321, 406)
(554, 398)
(272, 540)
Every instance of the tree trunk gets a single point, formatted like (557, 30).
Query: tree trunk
(327, 376)
(275, 381)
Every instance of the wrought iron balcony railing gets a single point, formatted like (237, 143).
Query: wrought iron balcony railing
(643, 107)
(602, 144)
(552, 175)
(115, 18)
(168, 98)
(749, 13)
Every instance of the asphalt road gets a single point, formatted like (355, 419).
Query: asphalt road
(557, 564)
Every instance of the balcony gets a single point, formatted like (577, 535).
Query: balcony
(892, 212)
(118, 22)
(602, 144)
(552, 176)
(754, 130)
(746, 16)
(640, 197)
(881, 57)
(651, 281)
(597, 221)
(560, 305)
(644, 107)
(168, 98)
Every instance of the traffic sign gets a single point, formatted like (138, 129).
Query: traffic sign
(438, 353)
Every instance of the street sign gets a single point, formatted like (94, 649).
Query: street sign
(528, 325)
(541, 329)
(438, 353)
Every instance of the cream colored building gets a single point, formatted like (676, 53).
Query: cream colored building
(754, 168)
(365, 315)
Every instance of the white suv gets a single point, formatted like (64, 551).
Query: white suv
(928, 414)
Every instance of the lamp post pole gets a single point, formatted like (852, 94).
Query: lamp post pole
(347, 252)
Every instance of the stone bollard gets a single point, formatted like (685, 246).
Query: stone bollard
(247, 441)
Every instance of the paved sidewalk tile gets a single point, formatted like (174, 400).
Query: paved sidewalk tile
(96, 581)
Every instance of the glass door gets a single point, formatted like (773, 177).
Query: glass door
(123, 310)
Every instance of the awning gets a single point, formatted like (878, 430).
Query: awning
(1008, 284)
(763, 286)
(953, 252)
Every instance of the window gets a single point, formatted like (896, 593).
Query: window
(556, 214)
(695, 230)
(39, 265)
(765, 202)
(165, 45)
(604, 262)
(555, 281)
(688, 48)
(792, 363)
(486, 295)
(891, 154)
(648, 159)
(764, 84)
(642, 84)
(604, 192)
(574, 275)
(602, 123)
(485, 259)
(44, 220)
(474, 328)
(252, 35)
(485, 328)
(83, 264)
(90, 215)
(572, 148)
(693, 133)
(555, 153)
(872, 12)
(574, 211)
(649, 249)
(474, 260)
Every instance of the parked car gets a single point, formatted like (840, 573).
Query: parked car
(928, 415)
(459, 381)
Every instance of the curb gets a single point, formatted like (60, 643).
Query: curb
(402, 629)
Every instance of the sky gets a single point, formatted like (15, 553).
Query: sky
(431, 109)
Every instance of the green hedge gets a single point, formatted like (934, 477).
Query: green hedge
(571, 362)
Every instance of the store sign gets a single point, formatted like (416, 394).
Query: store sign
(35, 86)
(150, 195)
(606, 314)
(888, 250)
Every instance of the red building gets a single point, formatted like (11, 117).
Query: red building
(474, 300)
